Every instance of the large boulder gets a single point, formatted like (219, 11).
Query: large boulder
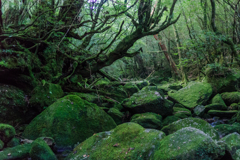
(233, 143)
(44, 95)
(188, 144)
(231, 97)
(191, 122)
(148, 120)
(126, 141)
(195, 93)
(130, 89)
(68, 121)
(13, 104)
(148, 101)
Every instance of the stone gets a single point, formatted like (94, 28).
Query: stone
(199, 110)
(116, 115)
(191, 122)
(148, 101)
(225, 129)
(41, 151)
(222, 114)
(148, 120)
(215, 106)
(44, 95)
(170, 119)
(234, 106)
(181, 112)
(13, 142)
(130, 89)
(68, 121)
(13, 104)
(18, 152)
(126, 141)
(218, 99)
(231, 97)
(195, 93)
(233, 142)
(188, 144)
(7, 132)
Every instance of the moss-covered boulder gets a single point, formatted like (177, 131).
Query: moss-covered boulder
(126, 141)
(233, 143)
(116, 115)
(148, 120)
(234, 106)
(44, 95)
(170, 119)
(181, 112)
(68, 121)
(7, 132)
(154, 88)
(148, 101)
(195, 93)
(231, 97)
(217, 99)
(13, 142)
(223, 79)
(178, 105)
(169, 86)
(215, 106)
(199, 110)
(141, 84)
(188, 144)
(225, 129)
(222, 114)
(18, 152)
(191, 122)
(130, 89)
(13, 104)
(41, 151)
(1, 144)
(99, 100)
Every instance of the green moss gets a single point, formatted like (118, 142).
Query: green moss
(223, 114)
(141, 84)
(18, 152)
(130, 88)
(170, 119)
(148, 101)
(7, 132)
(188, 144)
(68, 121)
(195, 93)
(12, 104)
(218, 100)
(191, 122)
(215, 106)
(127, 141)
(178, 105)
(231, 97)
(181, 112)
(234, 106)
(41, 151)
(233, 143)
(199, 110)
(13, 142)
(116, 115)
(44, 95)
(225, 129)
(148, 120)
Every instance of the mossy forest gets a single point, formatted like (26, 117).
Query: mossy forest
(119, 79)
